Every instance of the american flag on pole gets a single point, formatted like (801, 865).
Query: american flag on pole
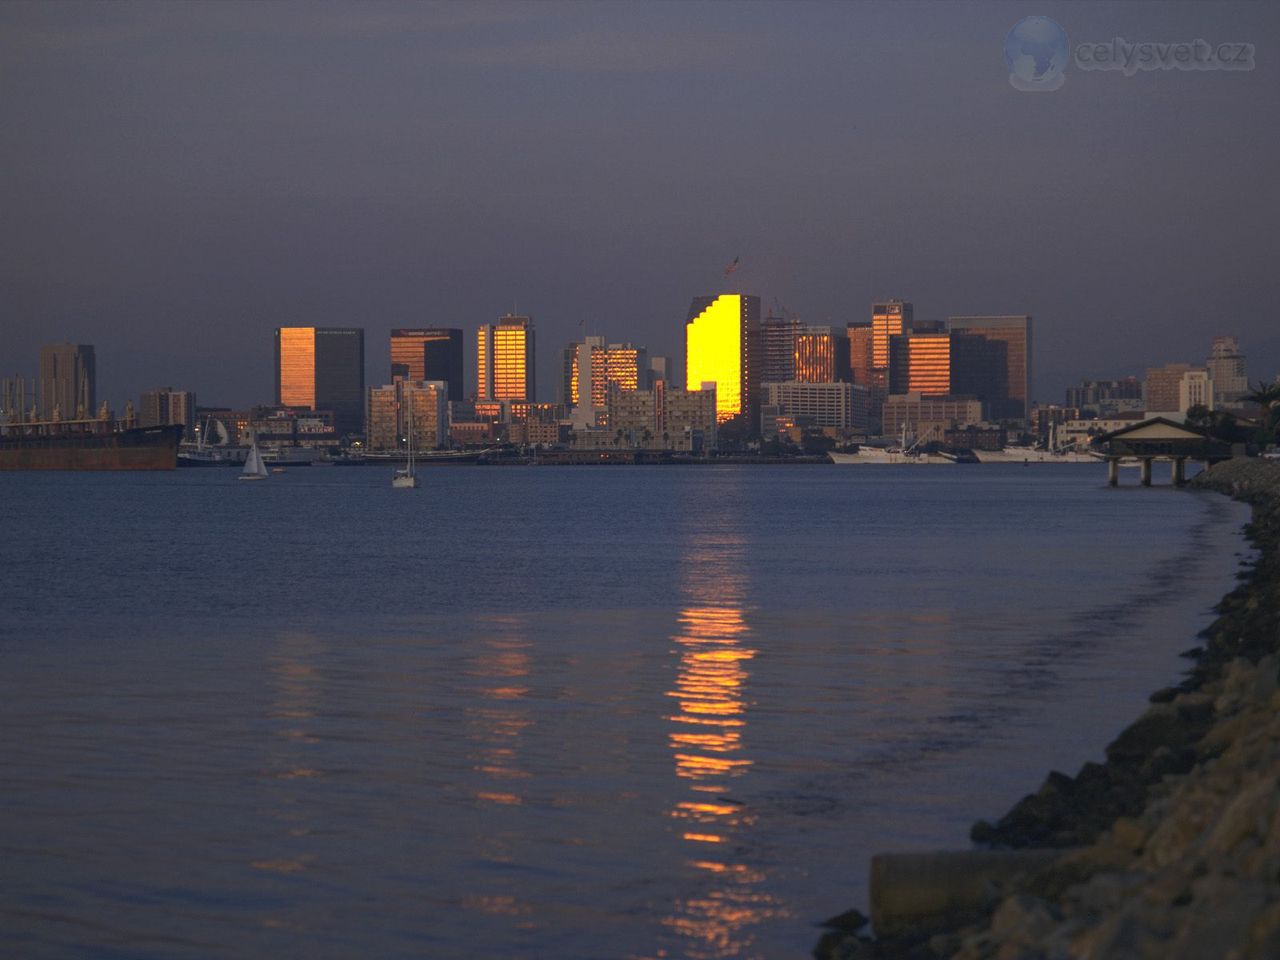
(731, 267)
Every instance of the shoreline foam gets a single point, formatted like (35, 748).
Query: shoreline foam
(1169, 849)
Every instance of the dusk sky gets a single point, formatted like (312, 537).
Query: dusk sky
(180, 179)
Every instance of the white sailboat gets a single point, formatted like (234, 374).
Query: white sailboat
(406, 479)
(254, 468)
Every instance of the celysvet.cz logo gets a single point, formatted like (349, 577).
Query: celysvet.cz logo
(1037, 53)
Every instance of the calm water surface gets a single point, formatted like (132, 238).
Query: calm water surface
(554, 712)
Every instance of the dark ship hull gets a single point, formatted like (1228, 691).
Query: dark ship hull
(88, 445)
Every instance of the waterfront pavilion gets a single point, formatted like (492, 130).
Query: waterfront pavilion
(1159, 438)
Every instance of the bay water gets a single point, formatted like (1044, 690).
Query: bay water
(558, 712)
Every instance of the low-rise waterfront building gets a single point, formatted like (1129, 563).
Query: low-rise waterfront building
(664, 418)
(841, 406)
(929, 416)
(394, 406)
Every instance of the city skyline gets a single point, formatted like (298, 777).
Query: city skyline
(175, 189)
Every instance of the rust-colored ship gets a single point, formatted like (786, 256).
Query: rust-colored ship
(100, 444)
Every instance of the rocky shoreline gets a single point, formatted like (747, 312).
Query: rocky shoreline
(1169, 849)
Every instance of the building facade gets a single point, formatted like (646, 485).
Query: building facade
(505, 360)
(841, 406)
(861, 354)
(936, 364)
(1015, 332)
(592, 365)
(723, 346)
(659, 369)
(1226, 370)
(322, 368)
(428, 353)
(68, 386)
(778, 348)
(890, 319)
(1196, 389)
(1104, 397)
(1162, 388)
(821, 356)
(922, 416)
(404, 406)
(165, 405)
(663, 418)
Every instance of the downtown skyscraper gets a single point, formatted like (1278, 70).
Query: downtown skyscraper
(428, 353)
(1015, 333)
(322, 368)
(723, 346)
(505, 356)
(68, 381)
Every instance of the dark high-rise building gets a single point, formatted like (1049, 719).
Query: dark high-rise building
(935, 364)
(778, 338)
(861, 363)
(68, 381)
(1015, 332)
(430, 353)
(322, 368)
(722, 346)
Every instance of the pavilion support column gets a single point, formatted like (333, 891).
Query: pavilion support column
(1146, 471)
(1179, 471)
(1113, 471)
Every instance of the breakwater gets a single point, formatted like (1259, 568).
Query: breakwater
(1169, 849)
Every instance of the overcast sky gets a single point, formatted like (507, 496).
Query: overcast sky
(180, 179)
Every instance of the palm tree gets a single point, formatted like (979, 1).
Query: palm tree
(1267, 396)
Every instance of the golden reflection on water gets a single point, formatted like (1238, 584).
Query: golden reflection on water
(707, 742)
(499, 716)
(298, 688)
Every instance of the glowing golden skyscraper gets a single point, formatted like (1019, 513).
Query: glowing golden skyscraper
(890, 319)
(722, 345)
(322, 368)
(505, 360)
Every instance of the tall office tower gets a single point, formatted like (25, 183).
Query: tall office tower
(505, 360)
(430, 353)
(1226, 370)
(591, 367)
(1016, 332)
(935, 364)
(778, 335)
(821, 356)
(1160, 388)
(68, 381)
(659, 369)
(165, 405)
(620, 363)
(577, 359)
(722, 346)
(891, 319)
(1196, 389)
(322, 368)
(861, 354)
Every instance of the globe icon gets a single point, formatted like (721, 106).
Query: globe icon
(1037, 53)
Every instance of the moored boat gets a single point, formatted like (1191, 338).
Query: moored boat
(99, 444)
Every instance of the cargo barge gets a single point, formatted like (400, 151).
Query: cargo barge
(88, 445)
